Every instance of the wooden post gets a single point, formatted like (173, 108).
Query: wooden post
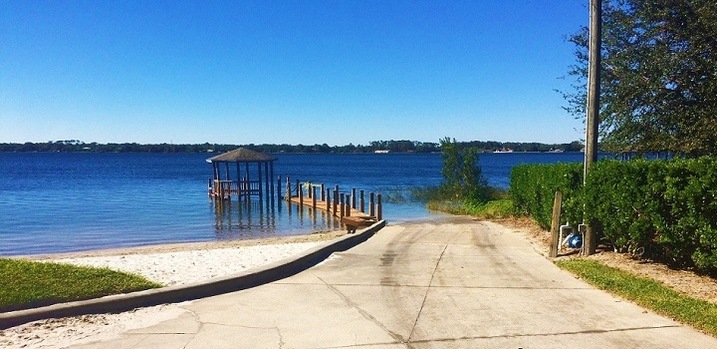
(288, 188)
(353, 198)
(247, 179)
(348, 206)
(323, 192)
(271, 175)
(336, 199)
(341, 203)
(313, 198)
(259, 175)
(592, 117)
(278, 187)
(298, 187)
(328, 200)
(555, 225)
(362, 201)
(301, 193)
(379, 208)
(371, 208)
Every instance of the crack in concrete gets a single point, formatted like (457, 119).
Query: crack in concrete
(453, 286)
(364, 313)
(534, 335)
(202, 323)
(199, 321)
(281, 338)
(569, 333)
(425, 296)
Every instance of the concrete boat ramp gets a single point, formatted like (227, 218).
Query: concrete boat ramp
(450, 284)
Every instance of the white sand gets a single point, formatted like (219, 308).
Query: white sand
(172, 268)
(167, 265)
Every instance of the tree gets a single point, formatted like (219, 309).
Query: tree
(659, 76)
(462, 177)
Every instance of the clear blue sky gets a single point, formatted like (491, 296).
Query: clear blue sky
(307, 72)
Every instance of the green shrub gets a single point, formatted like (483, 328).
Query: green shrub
(618, 198)
(661, 209)
(533, 187)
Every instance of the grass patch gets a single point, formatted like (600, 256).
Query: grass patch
(28, 284)
(647, 293)
(494, 209)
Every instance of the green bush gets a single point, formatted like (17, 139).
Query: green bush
(665, 208)
(661, 209)
(618, 198)
(533, 187)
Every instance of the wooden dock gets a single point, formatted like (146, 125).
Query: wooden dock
(350, 207)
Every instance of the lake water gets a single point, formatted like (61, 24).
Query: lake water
(60, 202)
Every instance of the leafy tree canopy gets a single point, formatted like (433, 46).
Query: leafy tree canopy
(658, 76)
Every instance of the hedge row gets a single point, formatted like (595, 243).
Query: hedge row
(665, 209)
(533, 187)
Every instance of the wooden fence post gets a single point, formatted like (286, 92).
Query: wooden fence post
(555, 225)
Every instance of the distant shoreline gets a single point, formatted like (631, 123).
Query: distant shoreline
(375, 147)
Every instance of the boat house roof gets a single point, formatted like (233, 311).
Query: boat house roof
(242, 155)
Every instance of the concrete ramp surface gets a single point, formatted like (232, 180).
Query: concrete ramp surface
(450, 284)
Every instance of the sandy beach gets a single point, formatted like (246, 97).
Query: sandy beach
(171, 264)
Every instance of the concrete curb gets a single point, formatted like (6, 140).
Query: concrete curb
(180, 293)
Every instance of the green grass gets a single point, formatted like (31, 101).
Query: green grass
(647, 293)
(494, 209)
(28, 284)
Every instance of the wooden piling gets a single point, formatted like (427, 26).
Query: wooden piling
(371, 208)
(278, 188)
(288, 188)
(336, 199)
(341, 203)
(362, 203)
(328, 201)
(353, 198)
(379, 209)
(349, 199)
(313, 198)
(301, 193)
(323, 192)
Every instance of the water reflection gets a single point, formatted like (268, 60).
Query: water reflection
(256, 219)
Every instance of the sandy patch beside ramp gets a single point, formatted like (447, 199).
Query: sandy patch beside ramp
(168, 264)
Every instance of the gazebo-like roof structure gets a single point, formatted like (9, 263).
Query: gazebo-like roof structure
(257, 182)
(242, 155)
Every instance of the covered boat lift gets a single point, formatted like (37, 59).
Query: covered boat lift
(234, 173)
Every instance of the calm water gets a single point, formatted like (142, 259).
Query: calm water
(67, 202)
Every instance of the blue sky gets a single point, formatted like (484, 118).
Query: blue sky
(307, 72)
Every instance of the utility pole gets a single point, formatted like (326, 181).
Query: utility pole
(593, 106)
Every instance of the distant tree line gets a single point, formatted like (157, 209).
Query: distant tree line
(400, 146)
